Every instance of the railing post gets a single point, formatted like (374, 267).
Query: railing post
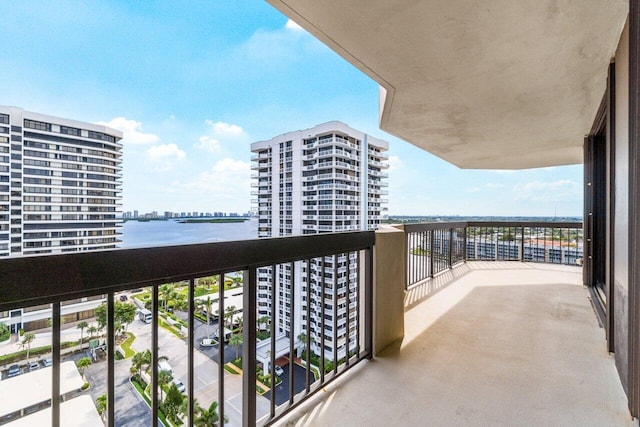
(464, 243)
(190, 351)
(431, 246)
(154, 354)
(368, 304)
(450, 247)
(249, 348)
(522, 243)
(55, 356)
(111, 347)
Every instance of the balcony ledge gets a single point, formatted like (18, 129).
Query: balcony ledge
(494, 343)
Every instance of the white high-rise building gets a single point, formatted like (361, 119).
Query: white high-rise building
(60, 184)
(329, 178)
(60, 191)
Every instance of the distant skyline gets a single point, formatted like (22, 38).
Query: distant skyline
(191, 88)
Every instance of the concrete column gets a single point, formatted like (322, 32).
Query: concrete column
(389, 278)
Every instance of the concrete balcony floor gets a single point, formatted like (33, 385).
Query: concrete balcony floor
(488, 344)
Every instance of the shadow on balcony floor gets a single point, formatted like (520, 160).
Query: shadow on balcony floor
(504, 344)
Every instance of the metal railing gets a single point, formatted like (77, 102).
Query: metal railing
(321, 328)
(435, 247)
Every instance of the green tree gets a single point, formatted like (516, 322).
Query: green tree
(264, 322)
(207, 417)
(92, 330)
(27, 339)
(237, 279)
(173, 402)
(180, 302)
(302, 337)
(101, 315)
(82, 326)
(229, 313)
(83, 364)
(235, 341)
(208, 309)
(164, 378)
(140, 359)
(164, 291)
(101, 405)
(123, 314)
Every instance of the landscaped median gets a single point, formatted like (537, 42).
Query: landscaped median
(263, 381)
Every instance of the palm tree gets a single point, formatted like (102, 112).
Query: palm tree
(27, 339)
(235, 341)
(140, 359)
(163, 292)
(229, 312)
(302, 337)
(101, 405)
(92, 330)
(82, 326)
(207, 417)
(164, 378)
(237, 280)
(83, 364)
(207, 305)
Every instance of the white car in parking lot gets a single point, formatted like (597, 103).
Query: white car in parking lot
(279, 370)
(179, 384)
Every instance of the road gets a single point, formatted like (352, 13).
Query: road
(205, 370)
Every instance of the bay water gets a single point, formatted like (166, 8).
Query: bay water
(140, 234)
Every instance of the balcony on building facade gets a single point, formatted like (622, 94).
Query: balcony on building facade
(530, 263)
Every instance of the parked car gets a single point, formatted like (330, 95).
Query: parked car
(163, 365)
(179, 384)
(123, 298)
(14, 371)
(279, 370)
(33, 366)
(47, 362)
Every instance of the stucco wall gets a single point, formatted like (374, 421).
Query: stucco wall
(621, 262)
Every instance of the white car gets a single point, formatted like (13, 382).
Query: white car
(279, 371)
(179, 384)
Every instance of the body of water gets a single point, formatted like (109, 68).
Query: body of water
(136, 234)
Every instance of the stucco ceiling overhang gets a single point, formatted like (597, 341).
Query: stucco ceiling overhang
(494, 84)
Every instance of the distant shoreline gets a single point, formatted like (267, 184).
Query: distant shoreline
(212, 220)
(191, 220)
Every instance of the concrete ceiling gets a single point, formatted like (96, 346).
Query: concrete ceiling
(494, 84)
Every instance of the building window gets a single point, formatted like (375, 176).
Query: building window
(32, 124)
(69, 130)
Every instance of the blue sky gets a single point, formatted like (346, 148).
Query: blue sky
(192, 84)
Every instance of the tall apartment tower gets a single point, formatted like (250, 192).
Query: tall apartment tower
(329, 178)
(60, 186)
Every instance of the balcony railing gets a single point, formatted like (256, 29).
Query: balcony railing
(330, 345)
(434, 247)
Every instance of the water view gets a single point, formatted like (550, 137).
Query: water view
(137, 234)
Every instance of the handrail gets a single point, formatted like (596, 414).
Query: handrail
(436, 246)
(34, 280)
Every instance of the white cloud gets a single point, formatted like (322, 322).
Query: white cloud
(292, 26)
(208, 143)
(225, 129)
(555, 191)
(131, 131)
(165, 156)
(227, 180)
(394, 163)
(219, 133)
